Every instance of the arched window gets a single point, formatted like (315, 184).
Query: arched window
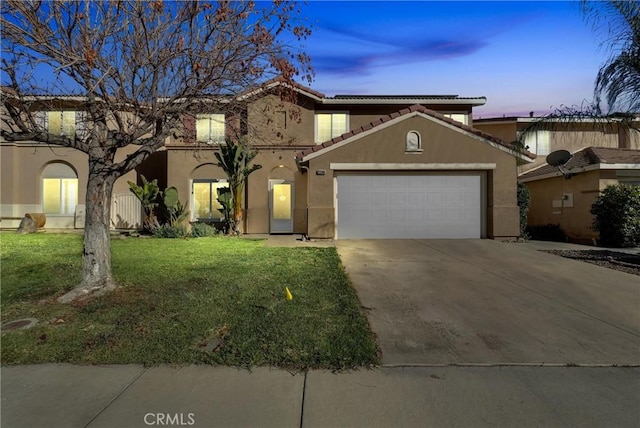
(413, 142)
(206, 180)
(59, 189)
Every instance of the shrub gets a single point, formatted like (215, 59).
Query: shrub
(199, 230)
(147, 194)
(547, 232)
(168, 231)
(524, 200)
(617, 216)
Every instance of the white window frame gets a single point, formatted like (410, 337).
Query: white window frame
(318, 113)
(407, 141)
(213, 118)
(68, 174)
(215, 214)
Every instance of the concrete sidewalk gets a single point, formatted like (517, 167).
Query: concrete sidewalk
(202, 396)
(552, 245)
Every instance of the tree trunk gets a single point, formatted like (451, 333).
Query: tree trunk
(96, 252)
(238, 218)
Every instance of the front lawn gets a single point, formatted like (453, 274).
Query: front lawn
(207, 300)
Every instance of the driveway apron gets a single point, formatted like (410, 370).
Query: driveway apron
(434, 302)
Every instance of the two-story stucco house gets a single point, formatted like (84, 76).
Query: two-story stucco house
(568, 134)
(603, 152)
(332, 167)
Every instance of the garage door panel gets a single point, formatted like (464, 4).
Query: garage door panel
(409, 206)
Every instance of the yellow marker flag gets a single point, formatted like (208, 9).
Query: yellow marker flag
(288, 294)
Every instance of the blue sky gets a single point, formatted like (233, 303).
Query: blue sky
(523, 56)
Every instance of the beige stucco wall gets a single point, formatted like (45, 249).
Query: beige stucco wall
(279, 163)
(440, 144)
(272, 121)
(22, 166)
(506, 131)
(576, 221)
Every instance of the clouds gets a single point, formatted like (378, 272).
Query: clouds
(366, 54)
(522, 55)
(347, 52)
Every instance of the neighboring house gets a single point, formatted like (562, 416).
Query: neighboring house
(567, 201)
(566, 134)
(332, 167)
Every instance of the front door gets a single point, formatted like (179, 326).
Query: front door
(280, 206)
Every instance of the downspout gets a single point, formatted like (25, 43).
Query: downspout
(303, 169)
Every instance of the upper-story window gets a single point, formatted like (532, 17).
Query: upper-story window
(66, 123)
(330, 125)
(459, 117)
(538, 142)
(210, 128)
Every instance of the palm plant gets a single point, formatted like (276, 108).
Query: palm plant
(234, 158)
(618, 80)
(147, 194)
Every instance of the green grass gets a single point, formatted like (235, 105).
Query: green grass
(177, 294)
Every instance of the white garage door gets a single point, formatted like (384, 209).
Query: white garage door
(409, 206)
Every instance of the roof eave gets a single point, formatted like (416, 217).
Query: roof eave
(578, 170)
(402, 101)
(343, 141)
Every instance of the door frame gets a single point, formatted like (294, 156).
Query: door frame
(273, 182)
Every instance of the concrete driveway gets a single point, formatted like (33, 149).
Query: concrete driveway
(484, 302)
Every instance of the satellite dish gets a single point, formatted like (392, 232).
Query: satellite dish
(558, 158)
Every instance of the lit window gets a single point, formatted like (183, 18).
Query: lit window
(458, 117)
(330, 125)
(210, 128)
(538, 142)
(205, 199)
(64, 123)
(59, 189)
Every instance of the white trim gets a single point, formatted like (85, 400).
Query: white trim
(405, 117)
(412, 166)
(620, 166)
(435, 100)
(539, 177)
(273, 85)
(477, 101)
(498, 121)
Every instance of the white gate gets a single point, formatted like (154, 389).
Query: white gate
(126, 212)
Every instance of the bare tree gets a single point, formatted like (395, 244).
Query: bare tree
(139, 67)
